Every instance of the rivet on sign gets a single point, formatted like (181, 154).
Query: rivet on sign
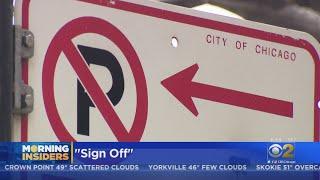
(28, 40)
(319, 104)
(28, 99)
(174, 42)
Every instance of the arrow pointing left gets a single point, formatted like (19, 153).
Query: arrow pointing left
(184, 89)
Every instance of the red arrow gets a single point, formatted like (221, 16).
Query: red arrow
(183, 88)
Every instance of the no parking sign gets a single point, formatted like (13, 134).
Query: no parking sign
(107, 71)
(62, 42)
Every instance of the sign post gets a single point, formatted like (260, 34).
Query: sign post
(6, 68)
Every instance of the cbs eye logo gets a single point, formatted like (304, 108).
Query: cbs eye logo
(277, 151)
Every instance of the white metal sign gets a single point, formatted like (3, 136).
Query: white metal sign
(146, 71)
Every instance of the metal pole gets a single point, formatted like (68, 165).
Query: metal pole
(6, 68)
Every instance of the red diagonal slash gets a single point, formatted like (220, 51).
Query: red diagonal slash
(94, 90)
(183, 88)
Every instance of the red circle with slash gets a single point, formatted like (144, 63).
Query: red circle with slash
(62, 43)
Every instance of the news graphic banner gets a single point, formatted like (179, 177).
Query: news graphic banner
(159, 157)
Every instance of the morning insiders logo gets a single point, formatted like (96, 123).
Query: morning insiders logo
(281, 153)
(46, 152)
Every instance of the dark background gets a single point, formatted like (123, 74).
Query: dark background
(302, 15)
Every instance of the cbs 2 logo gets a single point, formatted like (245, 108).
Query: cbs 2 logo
(285, 151)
